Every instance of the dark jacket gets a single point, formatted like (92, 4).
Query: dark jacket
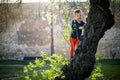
(76, 32)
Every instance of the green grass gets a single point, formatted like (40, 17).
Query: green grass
(11, 69)
(12, 62)
(111, 72)
(110, 69)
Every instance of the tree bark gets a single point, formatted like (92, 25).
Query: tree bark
(98, 21)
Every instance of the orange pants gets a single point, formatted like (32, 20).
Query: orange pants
(73, 46)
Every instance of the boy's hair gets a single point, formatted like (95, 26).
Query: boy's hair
(77, 11)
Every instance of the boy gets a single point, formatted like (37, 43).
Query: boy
(77, 27)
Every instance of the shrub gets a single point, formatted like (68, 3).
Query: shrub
(97, 74)
(46, 68)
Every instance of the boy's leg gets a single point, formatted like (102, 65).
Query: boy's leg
(72, 47)
(77, 43)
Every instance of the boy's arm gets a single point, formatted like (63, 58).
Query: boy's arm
(82, 26)
(72, 24)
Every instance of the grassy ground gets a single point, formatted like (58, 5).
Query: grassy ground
(13, 70)
(7, 72)
(111, 69)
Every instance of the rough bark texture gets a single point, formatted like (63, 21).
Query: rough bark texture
(99, 20)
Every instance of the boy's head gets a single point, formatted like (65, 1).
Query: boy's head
(77, 15)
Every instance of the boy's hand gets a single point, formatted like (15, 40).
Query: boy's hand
(82, 27)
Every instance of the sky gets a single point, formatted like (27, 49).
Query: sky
(32, 1)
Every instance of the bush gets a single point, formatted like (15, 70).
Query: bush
(99, 56)
(97, 74)
(46, 68)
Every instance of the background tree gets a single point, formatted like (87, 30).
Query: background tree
(98, 21)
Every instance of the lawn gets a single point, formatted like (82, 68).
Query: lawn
(111, 69)
(13, 70)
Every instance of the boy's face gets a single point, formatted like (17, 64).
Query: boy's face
(78, 16)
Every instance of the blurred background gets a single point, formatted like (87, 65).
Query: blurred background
(28, 27)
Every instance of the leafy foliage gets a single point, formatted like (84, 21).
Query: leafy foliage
(97, 74)
(99, 56)
(46, 68)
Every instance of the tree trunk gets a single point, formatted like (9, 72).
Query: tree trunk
(98, 21)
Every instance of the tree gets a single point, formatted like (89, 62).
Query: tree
(98, 21)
